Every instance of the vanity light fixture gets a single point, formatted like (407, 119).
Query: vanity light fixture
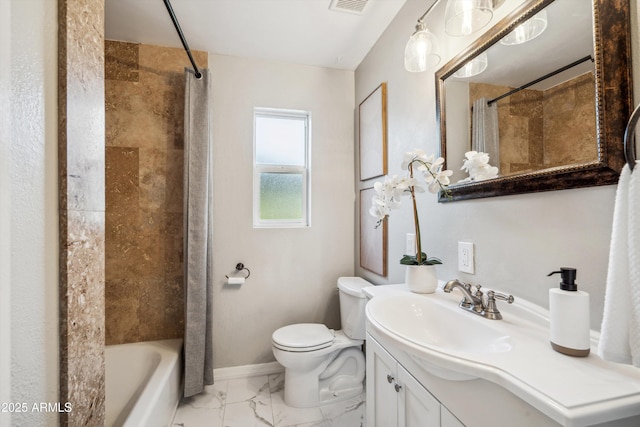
(463, 17)
(422, 50)
(528, 30)
(473, 67)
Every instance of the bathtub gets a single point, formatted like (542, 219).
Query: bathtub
(143, 383)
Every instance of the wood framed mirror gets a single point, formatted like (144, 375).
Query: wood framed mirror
(562, 100)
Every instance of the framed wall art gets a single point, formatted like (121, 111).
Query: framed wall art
(373, 241)
(372, 128)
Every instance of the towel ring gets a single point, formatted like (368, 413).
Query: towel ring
(240, 267)
(630, 138)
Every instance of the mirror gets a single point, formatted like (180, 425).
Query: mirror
(550, 111)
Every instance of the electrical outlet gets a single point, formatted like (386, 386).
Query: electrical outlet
(466, 262)
(410, 248)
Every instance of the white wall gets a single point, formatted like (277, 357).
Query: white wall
(28, 200)
(293, 271)
(518, 239)
(5, 203)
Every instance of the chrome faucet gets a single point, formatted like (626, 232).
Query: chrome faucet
(474, 300)
(471, 301)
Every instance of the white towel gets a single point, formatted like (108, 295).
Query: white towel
(620, 330)
(634, 265)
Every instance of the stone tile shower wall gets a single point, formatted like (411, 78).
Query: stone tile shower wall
(542, 129)
(81, 210)
(569, 122)
(144, 97)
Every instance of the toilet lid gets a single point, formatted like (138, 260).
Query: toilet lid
(303, 337)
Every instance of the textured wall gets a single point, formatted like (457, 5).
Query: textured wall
(144, 166)
(5, 209)
(28, 90)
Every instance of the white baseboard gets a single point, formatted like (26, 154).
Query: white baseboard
(245, 371)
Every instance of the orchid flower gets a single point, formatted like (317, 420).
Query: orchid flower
(477, 166)
(389, 194)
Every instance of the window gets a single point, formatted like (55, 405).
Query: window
(281, 168)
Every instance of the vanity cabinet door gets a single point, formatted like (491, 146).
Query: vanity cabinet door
(382, 398)
(417, 407)
(394, 397)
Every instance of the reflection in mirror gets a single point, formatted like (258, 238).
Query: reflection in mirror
(528, 93)
(529, 115)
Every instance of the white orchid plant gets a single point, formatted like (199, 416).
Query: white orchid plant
(390, 192)
(476, 164)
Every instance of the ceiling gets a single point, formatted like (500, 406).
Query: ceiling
(296, 31)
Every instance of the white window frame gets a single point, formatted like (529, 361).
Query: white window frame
(304, 170)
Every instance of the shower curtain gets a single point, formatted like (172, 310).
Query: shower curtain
(198, 351)
(484, 125)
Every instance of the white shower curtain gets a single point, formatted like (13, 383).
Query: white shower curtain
(484, 130)
(198, 349)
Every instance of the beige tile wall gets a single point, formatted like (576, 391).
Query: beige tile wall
(569, 122)
(144, 96)
(542, 129)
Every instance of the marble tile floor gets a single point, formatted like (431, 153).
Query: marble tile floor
(258, 401)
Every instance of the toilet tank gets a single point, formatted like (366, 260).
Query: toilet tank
(352, 302)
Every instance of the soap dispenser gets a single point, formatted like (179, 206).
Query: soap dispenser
(569, 316)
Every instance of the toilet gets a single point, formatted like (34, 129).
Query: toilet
(324, 366)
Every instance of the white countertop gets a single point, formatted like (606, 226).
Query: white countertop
(571, 390)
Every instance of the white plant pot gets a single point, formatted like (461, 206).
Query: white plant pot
(421, 279)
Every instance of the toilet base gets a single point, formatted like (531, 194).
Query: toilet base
(327, 396)
(340, 378)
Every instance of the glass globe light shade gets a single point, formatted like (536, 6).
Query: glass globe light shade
(422, 50)
(528, 30)
(463, 17)
(473, 67)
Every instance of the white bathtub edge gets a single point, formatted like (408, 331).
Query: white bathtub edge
(157, 403)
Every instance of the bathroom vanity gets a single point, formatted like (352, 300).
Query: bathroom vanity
(430, 363)
(395, 398)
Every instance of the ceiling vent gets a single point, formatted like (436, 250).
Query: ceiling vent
(349, 6)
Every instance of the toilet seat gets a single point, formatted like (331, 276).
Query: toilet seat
(303, 337)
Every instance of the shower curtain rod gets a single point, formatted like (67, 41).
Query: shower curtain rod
(167, 3)
(546, 76)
